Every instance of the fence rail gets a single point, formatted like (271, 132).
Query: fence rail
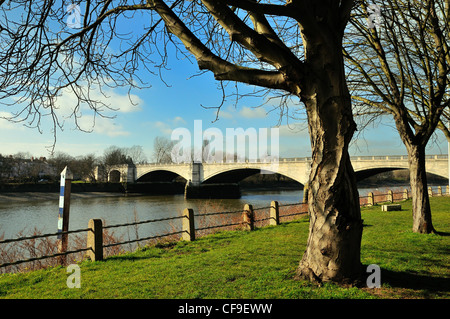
(247, 218)
(307, 159)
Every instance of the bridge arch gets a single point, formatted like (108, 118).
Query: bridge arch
(362, 174)
(114, 176)
(159, 175)
(365, 172)
(236, 175)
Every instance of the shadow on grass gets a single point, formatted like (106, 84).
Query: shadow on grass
(441, 233)
(408, 280)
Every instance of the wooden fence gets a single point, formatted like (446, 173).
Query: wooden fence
(194, 225)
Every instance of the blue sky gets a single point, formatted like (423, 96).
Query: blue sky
(160, 109)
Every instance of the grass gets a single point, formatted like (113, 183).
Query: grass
(258, 264)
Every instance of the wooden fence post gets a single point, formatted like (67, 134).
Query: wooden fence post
(370, 199)
(305, 193)
(430, 191)
(188, 225)
(439, 191)
(95, 240)
(274, 218)
(248, 217)
(390, 196)
(405, 194)
(63, 214)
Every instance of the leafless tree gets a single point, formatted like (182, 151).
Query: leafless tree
(115, 155)
(137, 154)
(402, 68)
(293, 48)
(162, 148)
(84, 166)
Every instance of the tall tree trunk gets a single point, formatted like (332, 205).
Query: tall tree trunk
(415, 146)
(419, 190)
(334, 242)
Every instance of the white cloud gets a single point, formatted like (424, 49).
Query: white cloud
(104, 126)
(246, 112)
(162, 127)
(252, 113)
(167, 127)
(224, 114)
(178, 120)
(296, 129)
(8, 125)
(123, 103)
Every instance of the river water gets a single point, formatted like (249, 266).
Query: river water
(41, 214)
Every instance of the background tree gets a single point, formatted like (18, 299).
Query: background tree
(59, 161)
(84, 166)
(137, 154)
(293, 47)
(114, 155)
(162, 148)
(402, 68)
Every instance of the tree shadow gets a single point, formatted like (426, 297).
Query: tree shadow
(414, 281)
(442, 233)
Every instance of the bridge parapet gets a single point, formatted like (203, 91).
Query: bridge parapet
(296, 168)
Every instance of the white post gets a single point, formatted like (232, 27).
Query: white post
(64, 207)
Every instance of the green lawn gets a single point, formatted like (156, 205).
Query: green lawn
(258, 264)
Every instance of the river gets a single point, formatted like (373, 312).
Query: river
(41, 213)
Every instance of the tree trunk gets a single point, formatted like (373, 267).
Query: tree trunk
(419, 190)
(334, 243)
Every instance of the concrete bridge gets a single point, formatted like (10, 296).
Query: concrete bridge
(202, 174)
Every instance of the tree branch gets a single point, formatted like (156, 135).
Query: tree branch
(264, 8)
(222, 69)
(259, 45)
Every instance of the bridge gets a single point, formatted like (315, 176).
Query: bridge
(204, 174)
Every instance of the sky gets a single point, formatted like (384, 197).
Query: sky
(160, 109)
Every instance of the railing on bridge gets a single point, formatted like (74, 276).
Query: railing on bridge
(306, 159)
(100, 239)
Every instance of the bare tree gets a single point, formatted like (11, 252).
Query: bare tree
(402, 68)
(60, 160)
(84, 166)
(114, 155)
(291, 47)
(137, 154)
(162, 148)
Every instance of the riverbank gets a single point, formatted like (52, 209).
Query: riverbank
(53, 196)
(259, 264)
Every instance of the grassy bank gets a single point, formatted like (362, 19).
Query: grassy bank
(258, 264)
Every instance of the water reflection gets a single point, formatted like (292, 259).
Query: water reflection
(16, 216)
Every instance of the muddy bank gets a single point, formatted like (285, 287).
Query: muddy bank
(54, 187)
(50, 191)
(52, 196)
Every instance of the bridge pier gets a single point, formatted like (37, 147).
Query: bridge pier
(222, 190)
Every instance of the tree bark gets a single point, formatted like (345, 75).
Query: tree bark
(333, 247)
(422, 222)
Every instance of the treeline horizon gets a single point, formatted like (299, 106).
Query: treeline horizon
(24, 167)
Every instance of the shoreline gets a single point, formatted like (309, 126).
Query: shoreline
(53, 196)
(24, 196)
